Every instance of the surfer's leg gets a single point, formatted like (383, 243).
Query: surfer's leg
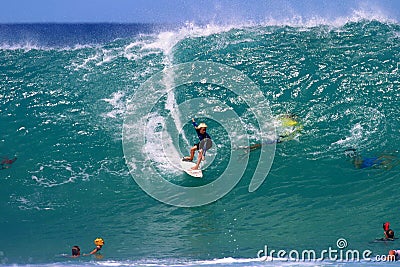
(200, 157)
(192, 151)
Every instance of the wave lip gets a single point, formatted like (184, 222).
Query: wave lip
(48, 36)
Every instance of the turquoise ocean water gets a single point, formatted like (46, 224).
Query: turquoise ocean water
(63, 93)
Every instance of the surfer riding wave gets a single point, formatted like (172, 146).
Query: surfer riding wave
(202, 134)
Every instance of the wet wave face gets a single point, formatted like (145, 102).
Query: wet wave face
(92, 136)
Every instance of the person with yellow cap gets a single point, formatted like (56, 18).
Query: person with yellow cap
(202, 134)
(99, 242)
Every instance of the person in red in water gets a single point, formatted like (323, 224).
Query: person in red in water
(6, 163)
(386, 226)
(389, 233)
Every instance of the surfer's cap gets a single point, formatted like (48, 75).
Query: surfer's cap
(202, 125)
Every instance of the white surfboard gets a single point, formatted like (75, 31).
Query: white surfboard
(187, 167)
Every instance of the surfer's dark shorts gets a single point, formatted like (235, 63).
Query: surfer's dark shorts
(197, 145)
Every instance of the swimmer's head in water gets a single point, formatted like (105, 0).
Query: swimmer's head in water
(99, 241)
(76, 251)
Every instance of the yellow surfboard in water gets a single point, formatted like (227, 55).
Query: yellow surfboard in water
(289, 128)
(288, 122)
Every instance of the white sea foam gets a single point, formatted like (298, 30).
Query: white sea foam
(117, 103)
(159, 145)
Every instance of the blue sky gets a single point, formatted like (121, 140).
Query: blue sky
(175, 11)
